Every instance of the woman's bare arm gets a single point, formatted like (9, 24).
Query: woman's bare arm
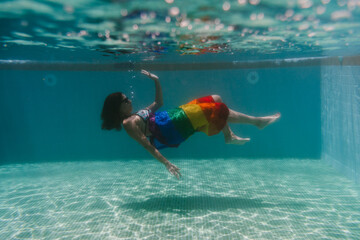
(158, 91)
(134, 131)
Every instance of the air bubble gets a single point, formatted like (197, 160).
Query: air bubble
(124, 12)
(254, 2)
(174, 11)
(50, 80)
(226, 6)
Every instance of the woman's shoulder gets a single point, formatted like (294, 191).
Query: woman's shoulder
(133, 119)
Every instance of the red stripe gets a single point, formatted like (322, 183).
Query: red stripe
(216, 113)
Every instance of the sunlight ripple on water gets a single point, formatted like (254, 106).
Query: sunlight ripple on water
(114, 28)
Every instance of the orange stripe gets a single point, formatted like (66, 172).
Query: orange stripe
(195, 115)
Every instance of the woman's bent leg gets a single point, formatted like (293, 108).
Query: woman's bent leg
(237, 117)
(231, 138)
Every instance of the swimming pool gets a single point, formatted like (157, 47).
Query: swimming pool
(62, 177)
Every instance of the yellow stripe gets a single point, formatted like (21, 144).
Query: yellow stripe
(195, 115)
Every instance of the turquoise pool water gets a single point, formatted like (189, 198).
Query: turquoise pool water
(215, 199)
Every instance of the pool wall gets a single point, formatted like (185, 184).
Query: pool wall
(340, 94)
(55, 115)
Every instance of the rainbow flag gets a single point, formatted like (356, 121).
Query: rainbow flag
(172, 127)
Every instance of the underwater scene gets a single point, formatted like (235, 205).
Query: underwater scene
(248, 129)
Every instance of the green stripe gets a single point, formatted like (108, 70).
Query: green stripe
(181, 122)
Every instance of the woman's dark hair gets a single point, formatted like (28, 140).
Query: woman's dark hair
(111, 115)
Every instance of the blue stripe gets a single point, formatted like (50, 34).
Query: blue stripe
(167, 128)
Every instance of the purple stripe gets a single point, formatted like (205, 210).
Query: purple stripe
(156, 133)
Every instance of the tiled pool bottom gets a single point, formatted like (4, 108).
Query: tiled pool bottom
(215, 199)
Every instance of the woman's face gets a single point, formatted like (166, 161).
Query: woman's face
(126, 106)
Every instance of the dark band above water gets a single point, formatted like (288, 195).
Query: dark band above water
(153, 66)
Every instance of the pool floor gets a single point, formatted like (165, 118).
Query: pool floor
(215, 199)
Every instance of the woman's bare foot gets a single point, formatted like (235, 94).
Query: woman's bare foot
(265, 121)
(237, 140)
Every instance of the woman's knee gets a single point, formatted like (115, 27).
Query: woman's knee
(217, 98)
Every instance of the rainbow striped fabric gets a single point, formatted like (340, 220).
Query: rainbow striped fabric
(172, 127)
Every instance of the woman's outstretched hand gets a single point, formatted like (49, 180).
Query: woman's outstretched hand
(174, 170)
(150, 75)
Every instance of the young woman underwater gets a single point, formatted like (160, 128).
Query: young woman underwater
(154, 129)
